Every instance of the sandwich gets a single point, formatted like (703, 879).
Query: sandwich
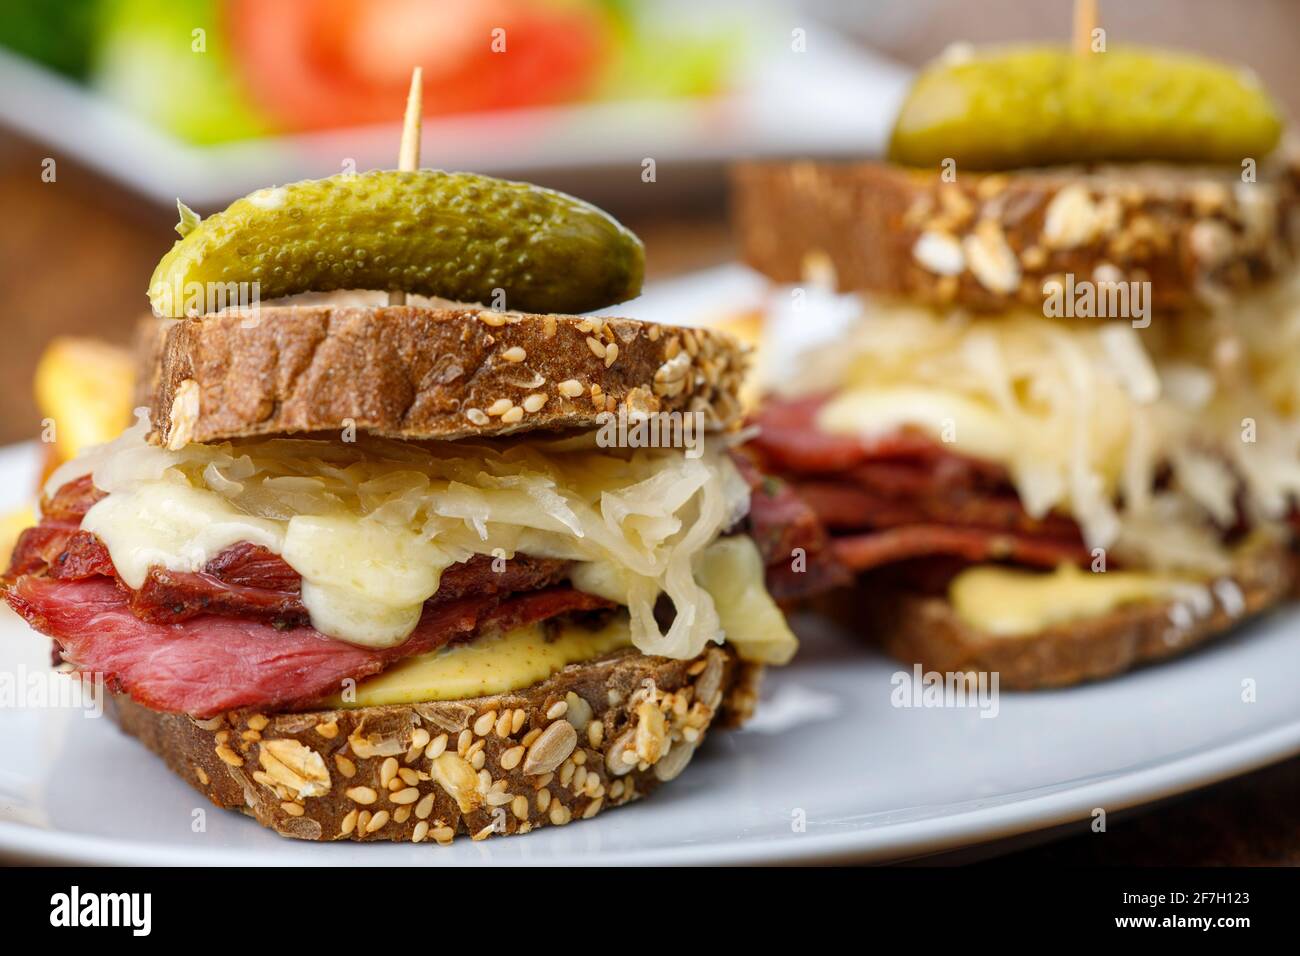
(1058, 434)
(403, 572)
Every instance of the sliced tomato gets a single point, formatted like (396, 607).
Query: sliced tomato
(323, 63)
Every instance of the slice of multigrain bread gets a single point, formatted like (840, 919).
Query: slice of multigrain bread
(989, 241)
(594, 735)
(431, 373)
(926, 630)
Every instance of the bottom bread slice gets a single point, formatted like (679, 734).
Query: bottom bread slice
(593, 735)
(926, 630)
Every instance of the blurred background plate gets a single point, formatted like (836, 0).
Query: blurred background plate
(582, 94)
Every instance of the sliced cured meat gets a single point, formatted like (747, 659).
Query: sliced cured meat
(478, 575)
(790, 441)
(211, 664)
(39, 547)
(841, 505)
(902, 496)
(243, 580)
(247, 580)
(863, 552)
(172, 596)
(784, 527)
(71, 502)
(83, 556)
(937, 473)
(252, 565)
(236, 634)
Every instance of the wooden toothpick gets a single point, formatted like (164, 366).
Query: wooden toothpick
(408, 157)
(1085, 21)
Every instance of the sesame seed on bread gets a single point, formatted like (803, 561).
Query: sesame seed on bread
(989, 241)
(418, 373)
(594, 735)
(925, 629)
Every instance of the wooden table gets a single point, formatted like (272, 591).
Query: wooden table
(1249, 821)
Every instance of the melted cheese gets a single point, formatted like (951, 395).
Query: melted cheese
(172, 525)
(362, 579)
(731, 570)
(1007, 602)
(874, 412)
(497, 664)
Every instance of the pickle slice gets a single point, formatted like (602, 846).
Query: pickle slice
(453, 235)
(1040, 105)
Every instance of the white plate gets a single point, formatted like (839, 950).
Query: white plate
(868, 780)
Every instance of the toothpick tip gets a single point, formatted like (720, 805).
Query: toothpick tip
(1085, 21)
(408, 155)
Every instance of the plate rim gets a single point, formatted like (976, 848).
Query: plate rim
(900, 841)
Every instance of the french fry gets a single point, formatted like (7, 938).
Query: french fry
(83, 389)
(11, 526)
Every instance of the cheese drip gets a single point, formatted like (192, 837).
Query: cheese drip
(730, 569)
(370, 526)
(1007, 602)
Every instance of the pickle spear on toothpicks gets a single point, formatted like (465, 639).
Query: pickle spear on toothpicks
(452, 235)
(1044, 104)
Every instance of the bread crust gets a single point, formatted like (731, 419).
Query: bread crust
(926, 630)
(418, 373)
(427, 772)
(1198, 235)
(147, 348)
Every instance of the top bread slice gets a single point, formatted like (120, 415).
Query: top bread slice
(419, 373)
(989, 241)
